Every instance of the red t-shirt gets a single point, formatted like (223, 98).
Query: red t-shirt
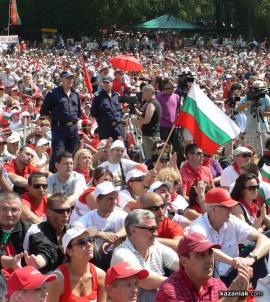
(39, 210)
(82, 198)
(189, 175)
(169, 229)
(12, 168)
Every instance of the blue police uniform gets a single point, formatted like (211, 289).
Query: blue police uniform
(65, 112)
(108, 114)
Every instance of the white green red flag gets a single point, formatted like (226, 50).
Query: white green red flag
(210, 126)
(265, 172)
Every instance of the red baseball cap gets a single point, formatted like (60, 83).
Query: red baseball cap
(195, 242)
(124, 270)
(86, 122)
(220, 196)
(26, 278)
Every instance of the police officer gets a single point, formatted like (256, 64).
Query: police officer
(106, 109)
(62, 106)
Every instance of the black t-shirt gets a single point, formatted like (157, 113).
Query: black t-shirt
(152, 128)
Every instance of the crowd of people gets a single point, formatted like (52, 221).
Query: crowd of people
(101, 201)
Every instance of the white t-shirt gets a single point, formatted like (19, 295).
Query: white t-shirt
(76, 180)
(111, 223)
(124, 197)
(228, 176)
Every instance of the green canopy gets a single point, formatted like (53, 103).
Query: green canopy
(167, 22)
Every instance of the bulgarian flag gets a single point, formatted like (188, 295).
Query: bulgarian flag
(15, 19)
(209, 125)
(265, 172)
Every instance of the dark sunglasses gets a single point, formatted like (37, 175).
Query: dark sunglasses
(83, 241)
(38, 186)
(245, 155)
(156, 208)
(140, 179)
(151, 229)
(61, 211)
(252, 188)
(206, 155)
(197, 153)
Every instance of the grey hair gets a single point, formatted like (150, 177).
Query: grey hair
(150, 88)
(134, 218)
(11, 195)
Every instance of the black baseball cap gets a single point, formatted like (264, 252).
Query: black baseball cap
(66, 74)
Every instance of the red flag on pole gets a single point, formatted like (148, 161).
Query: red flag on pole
(86, 78)
(15, 19)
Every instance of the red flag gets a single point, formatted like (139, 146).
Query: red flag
(15, 19)
(86, 78)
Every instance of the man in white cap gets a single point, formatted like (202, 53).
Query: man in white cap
(118, 165)
(13, 147)
(229, 175)
(108, 220)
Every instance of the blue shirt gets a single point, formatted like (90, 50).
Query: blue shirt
(61, 107)
(106, 108)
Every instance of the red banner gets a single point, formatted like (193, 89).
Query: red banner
(86, 78)
(15, 19)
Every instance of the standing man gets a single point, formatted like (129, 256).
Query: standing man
(62, 108)
(150, 120)
(106, 109)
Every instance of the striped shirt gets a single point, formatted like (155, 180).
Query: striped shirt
(179, 288)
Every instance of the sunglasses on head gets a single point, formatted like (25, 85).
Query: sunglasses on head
(61, 211)
(156, 208)
(83, 241)
(252, 188)
(245, 155)
(139, 179)
(38, 186)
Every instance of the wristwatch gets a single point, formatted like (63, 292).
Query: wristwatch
(253, 255)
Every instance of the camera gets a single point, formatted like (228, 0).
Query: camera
(183, 80)
(231, 101)
(132, 98)
(255, 94)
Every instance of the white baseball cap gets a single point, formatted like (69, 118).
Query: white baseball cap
(158, 184)
(104, 188)
(117, 144)
(75, 232)
(14, 138)
(42, 142)
(133, 174)
(241, 150)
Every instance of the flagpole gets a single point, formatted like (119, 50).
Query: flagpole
(9, 10)
(164, 146)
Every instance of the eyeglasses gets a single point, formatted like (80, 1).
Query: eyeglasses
(197, 153)
(206, 155)
(61, 211)
(245, 155)
(38, 186)
(83, 241)
(13, 211)
(139, 179)
(151, 229)
(252, 188)
(156, 208)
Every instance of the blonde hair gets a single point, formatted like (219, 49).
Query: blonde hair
(169, 174)
(77, 156)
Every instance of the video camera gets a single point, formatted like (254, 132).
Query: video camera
(231, 101)
(255, 94)
(132, 98)
(183, 80)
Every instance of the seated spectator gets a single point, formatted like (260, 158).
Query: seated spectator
(172, 175)
(19, 168)
(169, 232)
(19, 246)
(66, 181)
(229, 175)
(108, 220)
(194, 281)
(13, 147)
(196, 205)
(87, 200)
(82, 163)
(246, 192)
(42, 158)
(141, 249)
(193, 169)
(227, 230)
(122, 282)
(214, 166)
(28, 284)
(34, 201)
(118, 165)
(78, 279)
(129, 198)
(158, 165)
